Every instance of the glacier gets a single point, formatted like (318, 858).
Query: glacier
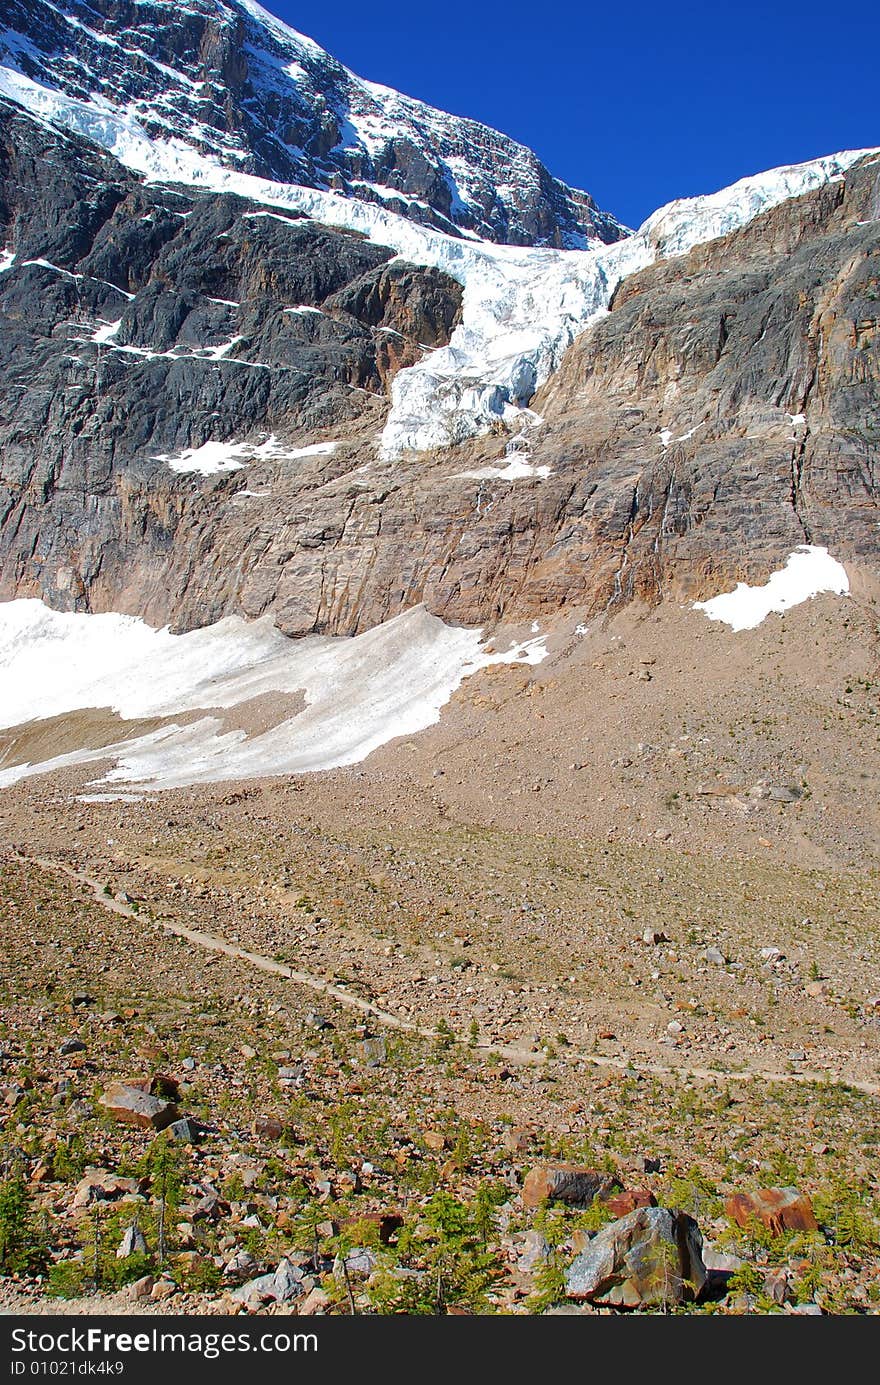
(522, 306)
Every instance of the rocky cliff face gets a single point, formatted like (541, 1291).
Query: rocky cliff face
(167, 354)
(138, 325)
(227, 79)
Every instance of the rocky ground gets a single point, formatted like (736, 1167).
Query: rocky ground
(616, 911)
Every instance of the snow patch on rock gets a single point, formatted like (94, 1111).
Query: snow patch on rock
(808, 571)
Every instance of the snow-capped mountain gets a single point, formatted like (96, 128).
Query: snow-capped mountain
(229, 80)
(236, 380)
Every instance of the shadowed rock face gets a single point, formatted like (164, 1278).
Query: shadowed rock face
(219, 323)
(244, 89)
(725, 345)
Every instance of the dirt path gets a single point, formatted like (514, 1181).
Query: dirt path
(509, 1053)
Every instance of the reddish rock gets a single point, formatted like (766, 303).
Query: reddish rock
(779, 1209)
(134, 1107)
(566, 1183)
(102, 1185)
(268, 1127)
(621, 1204)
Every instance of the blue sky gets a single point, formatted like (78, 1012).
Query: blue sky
(637, 102)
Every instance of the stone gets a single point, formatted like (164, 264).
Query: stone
(372, 1051)
(653, 938)
(715, 956)
(565, 1183)
(184, 1130)
(779, 1209)
(162, 1289)
(435, 1140)
(317, 1300)
(652, 1256)
(133, 1243)
(103, 1185)
(620, 1204)
(777, 1285)
(141, 1288)
(268, 1127)
(532, 1251)
(719, 1268)
(72, 1046)
(291, 1075)
(133, 1107)
(516, 1139)
(359, 1263)
(281, 1286)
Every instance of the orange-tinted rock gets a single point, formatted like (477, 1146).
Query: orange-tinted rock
(779, 1209)
(566, 1183)
(621, 1204)
(134, 1107)
(268, 1127)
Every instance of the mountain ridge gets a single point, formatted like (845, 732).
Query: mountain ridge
(234, 82)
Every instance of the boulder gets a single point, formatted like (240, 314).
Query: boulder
(621, 1204)
(566, 1183)
(316, 1301)
(532, 1250)
(268, 1127)
(132, 1243)
(102, 1185)
(779, 1209)
(134, 1107)
(359, 1263)
(281, 1286)
(184, 1130)
(651, 1256)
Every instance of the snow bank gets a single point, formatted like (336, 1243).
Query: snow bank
(809, 570)
(359, 693)
(516, 470)
(522, 307)
(214, 457)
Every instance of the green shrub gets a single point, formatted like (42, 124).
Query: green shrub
(21, 1248)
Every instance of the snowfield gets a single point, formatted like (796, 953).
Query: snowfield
(360, 693)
